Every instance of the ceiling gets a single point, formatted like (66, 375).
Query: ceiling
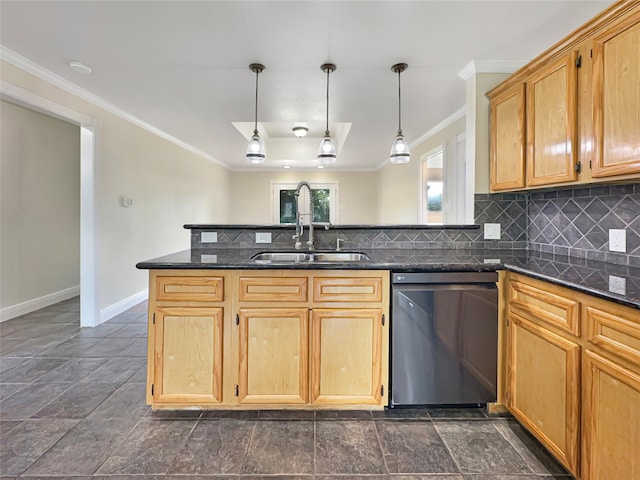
(183, 67)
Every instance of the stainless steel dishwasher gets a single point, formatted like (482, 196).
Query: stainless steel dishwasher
(444, 338)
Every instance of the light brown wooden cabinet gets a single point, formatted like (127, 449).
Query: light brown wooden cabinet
(573, 376)
(581, 124)
(611, 426)
(346, 346)
(268, 339)
(543, 373)
(274, 356)
(616, 93)
(188, 355)
(508, 139)
(551, 123)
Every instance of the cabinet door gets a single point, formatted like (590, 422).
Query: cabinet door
(508, 140)
(543, 383)
(188, 355)
(552, 123)
(346, 347)
(611, 421)
(274, 353)
(616, 94)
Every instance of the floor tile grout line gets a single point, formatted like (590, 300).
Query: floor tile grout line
(453, 458)
(384, 456)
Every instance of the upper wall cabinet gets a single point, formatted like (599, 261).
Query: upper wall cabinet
(551, 123)
(579, 122)
(507, 139)
(616, 87)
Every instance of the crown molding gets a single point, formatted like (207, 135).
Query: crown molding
(48, 76)
(490, 66)
(461, 112)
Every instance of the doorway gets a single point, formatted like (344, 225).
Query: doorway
(89, 141)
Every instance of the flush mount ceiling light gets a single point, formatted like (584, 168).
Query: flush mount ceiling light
(300, 131)
(80, 68)
(255, 150)
(327, 152)
(399, 149)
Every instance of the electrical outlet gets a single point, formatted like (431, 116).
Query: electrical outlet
(263, 237)
(207, 258)
(617, 240)
(209, 237)
(492, 231)
(617, 285)
(127, 202)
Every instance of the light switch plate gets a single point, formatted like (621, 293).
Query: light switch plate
(617, 285)
(492, 231)
(263, 237)
(209, 237)
(617, 240)
(127, 202)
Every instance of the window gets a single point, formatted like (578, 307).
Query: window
(432, 187)
(443, 184)
(283, 203)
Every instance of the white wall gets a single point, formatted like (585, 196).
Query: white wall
(39, 207)
(250, 194)
(170, 186)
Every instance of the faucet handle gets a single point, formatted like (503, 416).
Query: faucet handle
(338, 240)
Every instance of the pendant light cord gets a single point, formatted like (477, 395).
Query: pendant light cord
(326, 131)
(255, 124)
(399, 105)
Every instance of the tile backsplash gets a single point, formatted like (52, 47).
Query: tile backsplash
(572, 222)
(576, 222)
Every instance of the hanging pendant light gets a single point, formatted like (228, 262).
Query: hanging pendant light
(255, 150)
(327, 152)
(399, 149)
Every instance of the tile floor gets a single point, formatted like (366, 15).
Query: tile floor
(72, 406)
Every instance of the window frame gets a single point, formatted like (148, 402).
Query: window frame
(277, 187)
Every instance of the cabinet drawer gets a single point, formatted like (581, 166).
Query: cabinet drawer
(273, 289)
(347, 289)
(616, 332)
(190, 289)
(546, 306)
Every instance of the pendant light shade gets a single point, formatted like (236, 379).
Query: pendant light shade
(399, 149)
(327, 151)
(255, 150)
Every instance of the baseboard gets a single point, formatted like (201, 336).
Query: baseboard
(123, 305)
(29, 306)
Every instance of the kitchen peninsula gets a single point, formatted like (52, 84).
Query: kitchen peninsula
(230, 332)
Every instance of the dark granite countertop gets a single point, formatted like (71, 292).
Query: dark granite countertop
(584, 275)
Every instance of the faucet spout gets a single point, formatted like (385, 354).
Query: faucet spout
(299, 225)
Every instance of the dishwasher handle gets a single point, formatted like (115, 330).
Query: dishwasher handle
(443, 286)
(444, 277)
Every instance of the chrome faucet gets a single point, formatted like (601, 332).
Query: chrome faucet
(299, 224)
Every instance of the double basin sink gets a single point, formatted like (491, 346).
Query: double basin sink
(310, 257)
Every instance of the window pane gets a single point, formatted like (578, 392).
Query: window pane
(287, 206)
(321, 204)
(434, 196)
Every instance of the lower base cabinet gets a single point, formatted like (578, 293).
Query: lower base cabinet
(611, 426)
(573, 376)
(266, 339)
(347, 354)
(274, 356)
(544, 387)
